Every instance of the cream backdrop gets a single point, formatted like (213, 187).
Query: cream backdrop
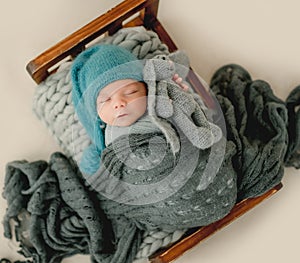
(262, 36)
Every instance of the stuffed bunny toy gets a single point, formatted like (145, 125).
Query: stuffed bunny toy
(183, 109)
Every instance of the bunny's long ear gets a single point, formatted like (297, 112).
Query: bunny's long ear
(150, 78)
(181, 63)
(180, 57)
(149, 72)
(157, 74)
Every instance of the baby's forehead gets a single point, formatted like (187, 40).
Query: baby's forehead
(117, 85)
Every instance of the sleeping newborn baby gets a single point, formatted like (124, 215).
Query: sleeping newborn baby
(111, 88)
(151, 142)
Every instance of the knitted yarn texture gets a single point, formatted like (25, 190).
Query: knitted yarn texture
(141, 126)
(264, 128)
(66, 218)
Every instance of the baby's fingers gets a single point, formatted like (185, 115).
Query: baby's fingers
(178, 80)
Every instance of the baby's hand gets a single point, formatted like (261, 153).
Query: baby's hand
(178, 81)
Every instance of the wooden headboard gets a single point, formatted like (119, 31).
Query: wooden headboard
(108, 23)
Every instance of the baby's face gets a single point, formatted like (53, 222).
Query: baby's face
(122, 102)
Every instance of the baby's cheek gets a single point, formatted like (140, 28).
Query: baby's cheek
(142, 105)
(104, 114)
(99, 111)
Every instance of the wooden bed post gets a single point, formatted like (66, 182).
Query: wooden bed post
(150, 14)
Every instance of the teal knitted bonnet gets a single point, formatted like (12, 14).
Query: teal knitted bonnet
(92, 70)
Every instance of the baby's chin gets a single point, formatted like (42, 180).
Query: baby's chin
(124, 121)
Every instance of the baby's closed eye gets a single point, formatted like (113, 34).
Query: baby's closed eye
(129, 92)
(103, 99)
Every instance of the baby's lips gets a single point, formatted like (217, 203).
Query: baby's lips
(121, 115)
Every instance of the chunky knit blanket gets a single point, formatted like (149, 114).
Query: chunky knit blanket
(70, 214)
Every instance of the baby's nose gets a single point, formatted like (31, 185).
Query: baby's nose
(119, 103)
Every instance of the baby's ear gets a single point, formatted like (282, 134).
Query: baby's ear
(181, 63)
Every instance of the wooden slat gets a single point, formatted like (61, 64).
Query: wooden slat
(150, 14)
(202, 233)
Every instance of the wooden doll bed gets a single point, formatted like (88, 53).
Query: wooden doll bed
(124, 15)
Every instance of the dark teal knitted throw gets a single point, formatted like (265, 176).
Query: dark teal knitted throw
(264, 129)
(67, 215)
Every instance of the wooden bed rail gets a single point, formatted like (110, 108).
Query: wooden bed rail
(108, 23)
